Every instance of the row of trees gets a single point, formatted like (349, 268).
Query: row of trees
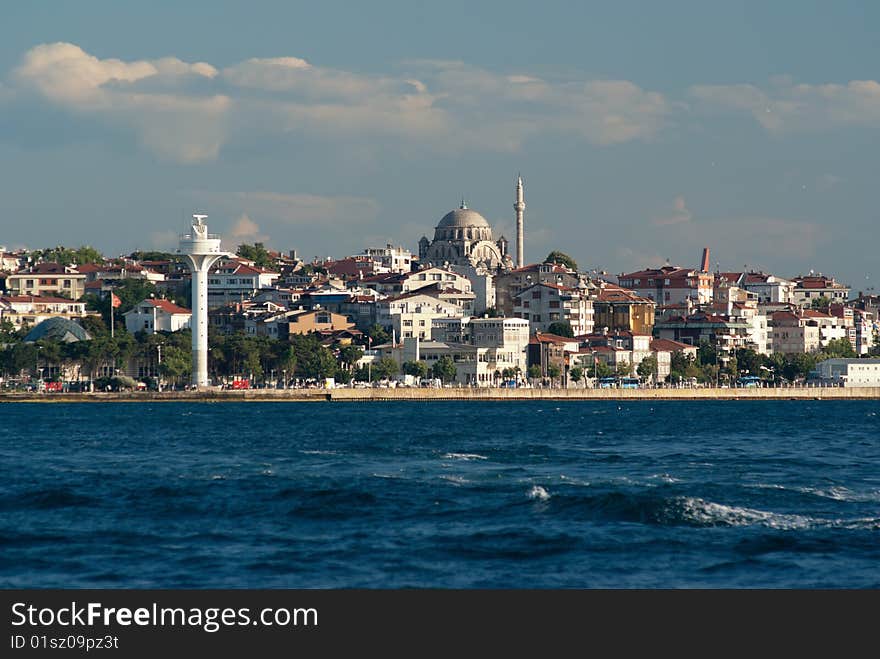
(708, 367)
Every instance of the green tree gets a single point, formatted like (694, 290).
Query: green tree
(492, 312)
(749, 361)
(313, 360)
(839, 348)
(417, 369)
(68, 256)
(647, 369)
(444, 368)
(561, 258)
(706, 353)
(553, 371)
(176, 363)
(821, 303)
(576, 374)
(386, 368)
(561, 328)
(256, 253)
(342, 376)
(378, 335)
(535, 372)
(350, 355)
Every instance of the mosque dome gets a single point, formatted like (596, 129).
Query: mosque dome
(57, 329)
(462, 217)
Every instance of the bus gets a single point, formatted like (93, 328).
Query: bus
(608, 382)
(629, 383)
(748, 381)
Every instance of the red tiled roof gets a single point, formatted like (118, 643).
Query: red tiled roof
(668, 345)
(167, 306)
(545, 337)
(90, 267)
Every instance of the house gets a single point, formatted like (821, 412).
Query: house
(48, 279)
(545, 303)
(389, 258)
(488, 348)
(396, 284)
(793, 333)
(726, 333)
(664, 349)
(156, 315)
(768, 288)
(318, 320)
(235, 280)
(509, 284)
(618, 308)
(30, 310)
(810, 288)
(848, 372)
(411, 314)
(547, 349)
(670, 284)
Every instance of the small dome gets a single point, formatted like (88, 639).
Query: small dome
(57, 329)
(463, 217)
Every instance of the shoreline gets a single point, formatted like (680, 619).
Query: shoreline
(466, 394)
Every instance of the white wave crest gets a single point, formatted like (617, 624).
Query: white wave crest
(456, 480)
(706, 512)
(539, 493)
(464, 456)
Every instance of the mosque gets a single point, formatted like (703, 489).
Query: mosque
(463, 237)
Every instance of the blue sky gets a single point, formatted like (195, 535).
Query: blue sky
(644, 131)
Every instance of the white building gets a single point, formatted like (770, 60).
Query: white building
(544, 303)
(850, 372)
(768, 288)
(31, 310)
(814, 287)
(154, 315)
(392, 259)
(234, 280)
(48, 279)
(411, 314)
(487, 348)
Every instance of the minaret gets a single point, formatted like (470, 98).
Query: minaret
(519, 206)
(202, 250)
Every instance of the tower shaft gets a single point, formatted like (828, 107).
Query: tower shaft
(519, 206)
(202, 251)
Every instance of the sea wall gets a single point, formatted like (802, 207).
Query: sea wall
(478, 394)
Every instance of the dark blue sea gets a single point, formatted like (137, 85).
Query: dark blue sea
(660, 494)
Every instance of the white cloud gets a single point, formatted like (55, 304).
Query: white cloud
(173, 124)
(680, 214)
(786, 106)
(188, 111)
(246, 229)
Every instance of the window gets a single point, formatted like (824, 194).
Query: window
(66, 283)
(554, 304)
(536, 295)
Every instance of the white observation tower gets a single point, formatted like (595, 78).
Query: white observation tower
(202, 250)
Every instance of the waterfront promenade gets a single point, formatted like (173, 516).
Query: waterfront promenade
(344, 394)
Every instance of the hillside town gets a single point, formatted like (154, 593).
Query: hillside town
(462, 310)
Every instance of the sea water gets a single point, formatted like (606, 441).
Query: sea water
(516, 494)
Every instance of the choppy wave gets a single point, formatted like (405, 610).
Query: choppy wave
(539, 493)
(464, 456)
